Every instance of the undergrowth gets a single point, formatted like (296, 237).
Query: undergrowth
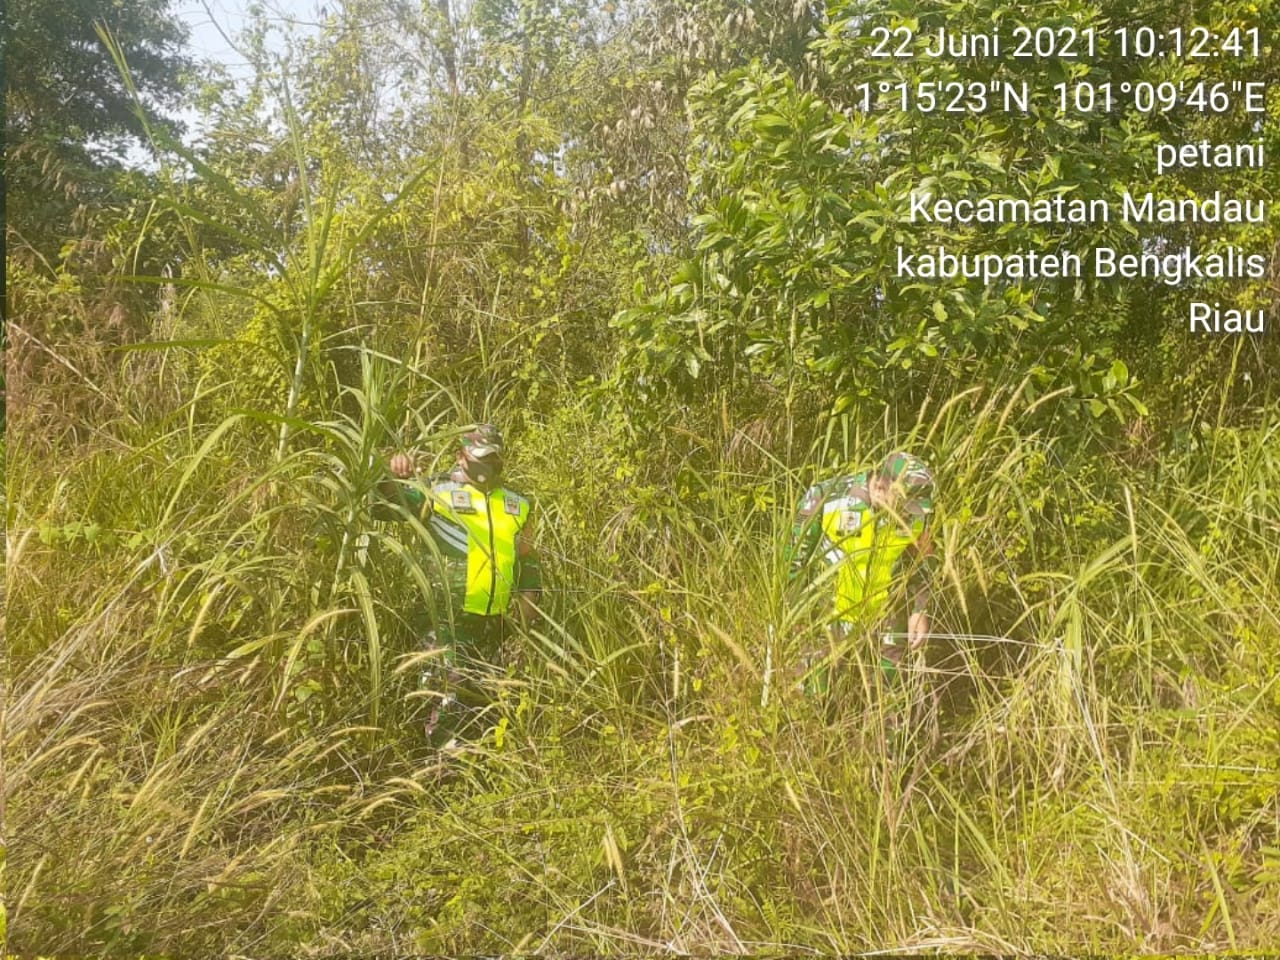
(210, 735)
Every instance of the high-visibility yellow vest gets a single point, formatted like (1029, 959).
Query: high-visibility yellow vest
(483, 527)
(866, 545)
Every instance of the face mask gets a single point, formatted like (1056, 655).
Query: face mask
(478, 473)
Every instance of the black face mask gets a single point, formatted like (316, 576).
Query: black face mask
(482, 475)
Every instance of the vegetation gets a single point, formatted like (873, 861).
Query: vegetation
(653, 241)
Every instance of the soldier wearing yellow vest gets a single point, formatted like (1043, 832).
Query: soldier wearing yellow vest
(873, 527)
(482, 532)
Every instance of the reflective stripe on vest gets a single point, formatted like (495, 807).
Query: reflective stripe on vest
(491, 523)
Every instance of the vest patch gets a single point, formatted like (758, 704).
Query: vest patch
(850, 521)
(460, 500)
(512, 504)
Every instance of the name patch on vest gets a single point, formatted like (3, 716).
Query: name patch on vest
(850, 521)
(512, 504)
(460, 500)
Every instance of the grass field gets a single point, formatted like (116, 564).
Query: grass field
(209, 735)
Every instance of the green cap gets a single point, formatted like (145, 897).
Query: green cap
(482, 443)
(912, 472)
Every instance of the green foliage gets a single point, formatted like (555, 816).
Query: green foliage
(426, 218)
(68, 116)
(802, 202)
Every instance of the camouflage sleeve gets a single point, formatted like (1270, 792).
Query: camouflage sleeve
(395, 501)
(806, 531)
(529, 579)
(924, 563)
(528, 561)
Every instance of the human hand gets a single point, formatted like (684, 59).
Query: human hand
(402, 466)
(917, 630)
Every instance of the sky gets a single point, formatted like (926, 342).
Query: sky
(212, 21)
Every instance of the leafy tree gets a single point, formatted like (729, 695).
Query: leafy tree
(68, 117)
(801, 198)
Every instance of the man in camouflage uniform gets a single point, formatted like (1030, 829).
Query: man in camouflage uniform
(482, 532)
(874, 528)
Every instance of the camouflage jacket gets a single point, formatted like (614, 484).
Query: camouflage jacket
(881, 554)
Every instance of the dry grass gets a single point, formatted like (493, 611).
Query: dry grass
(194, 761)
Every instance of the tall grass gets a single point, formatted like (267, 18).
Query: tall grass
(213, 655)
(213, 648)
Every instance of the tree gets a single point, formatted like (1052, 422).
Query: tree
(802, 198)
(68, 116)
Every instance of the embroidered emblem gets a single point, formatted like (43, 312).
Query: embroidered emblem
(850, 521)
(460, 500)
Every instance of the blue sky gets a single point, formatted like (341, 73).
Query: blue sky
(208, 21)
(211, 24)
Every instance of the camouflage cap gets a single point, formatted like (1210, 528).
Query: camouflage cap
(912, 472)
(484, 442)
(480, 455)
